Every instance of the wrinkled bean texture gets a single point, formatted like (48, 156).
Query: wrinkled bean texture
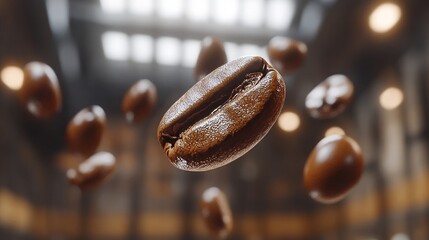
(222, 116)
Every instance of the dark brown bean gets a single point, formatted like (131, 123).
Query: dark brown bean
(40, 91)
(85, 130)
(139, 101)
(222, 116)
(330, 97)
(212, 55)
(286, 54)
(333, 168)
(216, 213)
(92, 172)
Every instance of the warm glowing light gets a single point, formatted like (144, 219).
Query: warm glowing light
(12, 77)
(168, 51)
(115, 45)
(113, 6)
(279, 14)
(198, 10)
(384, 17)
(252, 13)
(226, 11)
(142, 48)
(400, 236)
(170, 9)
(289, 121)
(334, 131)
(191, 49)
(391, 98)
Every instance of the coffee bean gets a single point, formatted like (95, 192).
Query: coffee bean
(212, 55)
(286, 54)
(330, 97)
(333, 168)
(85, 130)
(40, 91)
(222, 116)
(92, 172)
(216, 213)
(139, 101)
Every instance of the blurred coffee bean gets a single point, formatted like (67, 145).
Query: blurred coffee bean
(85, 130)
(139, 101)
(40, 91)
(212, 55)
(330, 97)
(333, 168)
(286, 54)
(216, 213)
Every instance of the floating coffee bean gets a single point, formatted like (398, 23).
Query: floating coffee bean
(85, 130)
(334, 166)
(212, 55)
(286, 54)
(139, 101)
(40, 91)
(223, 115)
(330, 97)
(216, 213)
(92, 172)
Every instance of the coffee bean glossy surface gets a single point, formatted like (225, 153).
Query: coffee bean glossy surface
(223, 115)
(286, 54)
(85, 130)
(330, 97)
(93, 171)
(212, 55)
(139, 101)
(40, 91)
(216, 212)
(333, 168)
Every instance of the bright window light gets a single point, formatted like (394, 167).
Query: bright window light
(264, 54)
(170, 9)
(168, 51)
(226, 11)
(279, 14)
(249, 49)
(113, 6)
(142, 48)
(198, 10)
(191, 49)
(391, 98)
(12, 77)
(289, 121)
(334, 131)
(115, 45)
(141, 7)
(252, 13)
(384, 17)
(400, 236)
(232, 50)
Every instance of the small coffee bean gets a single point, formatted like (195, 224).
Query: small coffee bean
(216, 213)
(333, 168)
(212, 55)
(330, 97)
(139, 101)
(85, 130)
(286, 54)
(40, 91)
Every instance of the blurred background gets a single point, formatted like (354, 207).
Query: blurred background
(99, 48)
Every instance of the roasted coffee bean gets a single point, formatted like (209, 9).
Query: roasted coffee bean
(92, 172)
(40, 91)
(333, 168)
(212, 55)
(216, 213)
(286, 54)
(330, 97)
(85, 130)
(139, 101)
(222, 116)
